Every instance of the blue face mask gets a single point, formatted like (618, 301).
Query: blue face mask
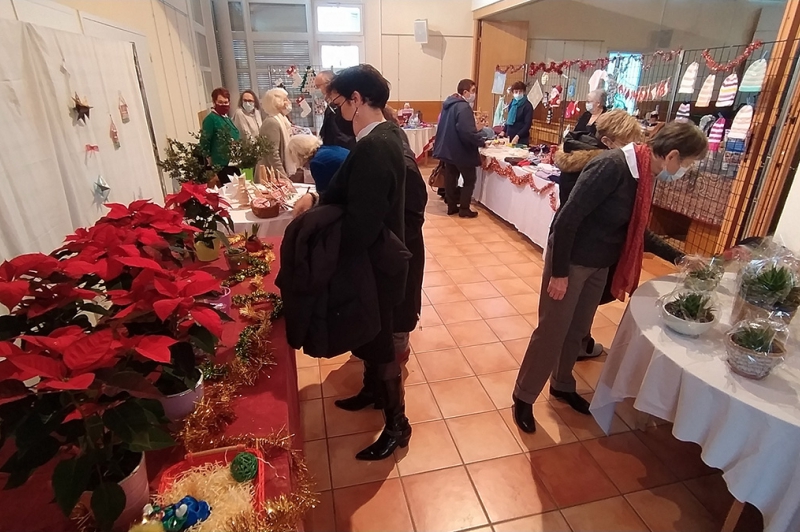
(519, 96)
(663, 175)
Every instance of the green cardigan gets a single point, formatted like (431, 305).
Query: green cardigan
(212, 138)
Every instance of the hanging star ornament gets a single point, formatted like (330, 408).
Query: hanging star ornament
(101, 189)
(81, 108)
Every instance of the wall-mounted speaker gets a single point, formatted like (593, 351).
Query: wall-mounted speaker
(421, 31)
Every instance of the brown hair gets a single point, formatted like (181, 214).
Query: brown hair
(390, 115)
(687, 138)
(519, 86)
(619, 126)
(220, 91)
(251, 93)
(465, 85)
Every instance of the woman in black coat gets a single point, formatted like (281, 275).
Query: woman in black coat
(595, 106)
(520, 115)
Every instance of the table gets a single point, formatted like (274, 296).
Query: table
(271, 404)
(419, 138)
(243, 219)
(516, 194)
(749, 429)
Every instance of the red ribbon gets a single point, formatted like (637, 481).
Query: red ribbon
(91, 147)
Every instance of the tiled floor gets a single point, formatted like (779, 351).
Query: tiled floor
(468, 467)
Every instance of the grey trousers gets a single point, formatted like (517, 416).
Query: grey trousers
(559, 336)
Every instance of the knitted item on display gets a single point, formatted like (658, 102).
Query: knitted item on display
(753, 77)
(596, 78)
(741, 123)
(572, 110)
(535, 95)
(706, 91)
(683, 113)
(715, 136)
(689, 78)
(727, 93)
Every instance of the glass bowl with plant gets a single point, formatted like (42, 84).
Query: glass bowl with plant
(689, 313)
(702, 273)
(768, 287)
(756, 346)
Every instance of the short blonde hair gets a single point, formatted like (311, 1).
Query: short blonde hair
(619, 126)
(301, 148)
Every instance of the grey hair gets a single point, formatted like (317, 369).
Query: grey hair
(301, 148)
(600, 95)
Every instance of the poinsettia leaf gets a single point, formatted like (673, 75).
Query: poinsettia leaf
(140, 262)
(201, 338)
(208, 319)
(39, 365)
(132, 382)
(203, 286)
(10, 349)
(165, 287)
(91, 350)
(81, 382)
(166, 307)
(108, 501)
(155, 348)
(70, 478)
(23, 462)
(12, 292)
(117, 211)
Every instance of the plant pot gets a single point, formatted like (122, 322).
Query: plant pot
(137, 494)
(744, 310)
(248, 174)
(206, 253)
(752, 364)
(178, 406)
(253, 245)
(237, 259)
(701, 285)
(685, 327)
(223, 302)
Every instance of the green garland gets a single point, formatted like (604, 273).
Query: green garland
(260, 296)
(213, 372)
(258, 266)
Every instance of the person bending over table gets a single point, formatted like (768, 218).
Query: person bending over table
(322, 161)
(602, 223)
(520, 115)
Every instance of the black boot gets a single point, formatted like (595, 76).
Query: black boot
(397, 431)
(368, 396)
(573, 399)
(523, 416)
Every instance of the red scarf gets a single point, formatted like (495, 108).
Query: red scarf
(629, 268)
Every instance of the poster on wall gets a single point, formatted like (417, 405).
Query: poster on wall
(499, 85)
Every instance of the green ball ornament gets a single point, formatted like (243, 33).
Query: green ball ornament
(244, 467)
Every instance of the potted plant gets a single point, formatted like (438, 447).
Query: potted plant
(186, 163)
(252, 243)
(689, 313)
(702, 274)
(756, 346)
(767, 288)
(206, 212)
(248, 151)
(237, 258)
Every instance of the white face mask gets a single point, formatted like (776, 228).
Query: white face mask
(248, 107)
(471, 98)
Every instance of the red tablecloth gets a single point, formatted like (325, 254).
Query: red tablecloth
(268, 406)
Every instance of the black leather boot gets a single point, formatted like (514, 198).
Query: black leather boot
(523, 416)
(368, 396)
(397, 431)
(573, 399)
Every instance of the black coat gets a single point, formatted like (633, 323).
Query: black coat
(583, 124)
(331, 302)
(336, 131)
(457, 139)
(522, 123)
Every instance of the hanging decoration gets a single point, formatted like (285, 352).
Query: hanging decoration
(510, 69)
(90, 149)
(536, 94)
(305, 109)
(597, 77)
(81, 108)
(123, 110)
(554, 99)
(499, 83)
(741, 123)
(689, 77)
(101, 190)
(754, 76)
(294, 75)
(730, 65)
(706, 91)
(572, 87)
(490, 164)
(558, 68)
(683, 113)
(652, 93)
(715, 135)
(665, 55)
(308, 79)
(727, 92)
(113, 133)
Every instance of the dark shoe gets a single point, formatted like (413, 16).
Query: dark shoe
(452, 211)
(467, 214)
(368, 396)
(573, 399)
(593, 350)
(397, 431)
(523, 416)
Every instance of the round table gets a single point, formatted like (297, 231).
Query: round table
(243, 219)
(749, 429)
(419, 138)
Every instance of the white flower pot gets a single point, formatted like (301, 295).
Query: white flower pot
(684, 327)
(137, 495)
(180, 405)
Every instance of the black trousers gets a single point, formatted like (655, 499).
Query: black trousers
(454, 199)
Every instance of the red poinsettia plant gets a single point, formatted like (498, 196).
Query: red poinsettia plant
(204, 210)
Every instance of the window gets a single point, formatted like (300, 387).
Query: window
(237, 16)
(197, 11)
(339, 19)
(626, 69)
(288, 18)
(202, 50)
(339, 56)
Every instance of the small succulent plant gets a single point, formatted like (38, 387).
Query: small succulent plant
(760, 339)
(694, 306)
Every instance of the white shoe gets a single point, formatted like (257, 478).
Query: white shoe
(596, 352)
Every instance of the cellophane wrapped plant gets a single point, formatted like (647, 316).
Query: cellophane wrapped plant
(691, 306)
(701, 273)
(203, 210)
(756, 346)
(769, 285)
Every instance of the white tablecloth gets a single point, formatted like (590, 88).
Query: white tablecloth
(749, 429)
(243, 219)
(419, 138)
(520, 205)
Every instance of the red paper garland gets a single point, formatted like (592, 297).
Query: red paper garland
(730, 65)
(552, 66)
(662, 54)
(490, 164)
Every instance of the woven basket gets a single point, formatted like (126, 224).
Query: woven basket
(265, 207)
(751, 364)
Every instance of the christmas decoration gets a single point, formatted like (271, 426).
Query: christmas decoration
(81, 108)
(715, 136)
(294, 75)
(91, 149)
(727, 93)
(706, 91)
(730, 65)
(753, 77)
(305, 109)
(741, 123)
(308, 79)
(123, 110)
(499, 83)
(665, 55)
(491, 164)
(683, 112)
(535, 95)
(689, 78)
(554, 99)
(597, 77)
(101, 190)
(114, 134)
(571, 110)
(244, 467)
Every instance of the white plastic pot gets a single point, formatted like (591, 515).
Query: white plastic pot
(137, 495)
(180, 405)
(684, 327)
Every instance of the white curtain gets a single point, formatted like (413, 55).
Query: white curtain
(46, 173)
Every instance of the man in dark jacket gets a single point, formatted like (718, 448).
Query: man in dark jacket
(456, 145)
(335, 130)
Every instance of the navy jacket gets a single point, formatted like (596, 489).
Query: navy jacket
(457, 139)
(522, 123)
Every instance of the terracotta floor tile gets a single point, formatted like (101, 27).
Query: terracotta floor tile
(513, 257)
(340, 422)
(525, 303)
(466, 276)
(604, 335)
(432, 265)
(443, 501)
(526, 269)
(305, 361)
(590, 370)
(321, 517)
(482, 437)
(482, 260)
(443, 365)
(453, 231)
(671, 509)
(509, 488)
(517, 348)
(371, 507)
(534, 282)
(500, 386)
(601, 321)
(444, 294)
(449, 250)
(713, 494)
(454, 263)
(313, 418)
(463, 240)
(682, 458)
(476, 291)
(432, 279)
(308, 383)
(431, 339)
(347, 471)
(512, 287)
(338, 360)
(601, 516)
(425, 300)
(436, 241)
(412, 373)
(489, 358)
(345, 380)
(583, 426)
(471, 333)
(459, 397)
(496, 272)
(495, 307)
(428, 317)
(547, 522)
(510, 327)
(458, 312)
(420, 404)
(629, 463)
(571, 475)
(533, 319)
(487, 238)
(475, 229)
(472, 249)
(613, 311)
(431, 448)
(550, 428)
(316, 455)
(499, 247)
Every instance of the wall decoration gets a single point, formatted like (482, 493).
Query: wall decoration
(741, 123)
(666, 55)
(101, 190)
(730, 65)
(308, 79)
(727, 93)
(688, 79)
(123, 110)
(706, 91)
(499, 83)
(753, 77)
(114, 134)
(305, 109)
(684, 110)
(535, 95)
(81, 108)
(294, 75)
(554, 99)
(715, 136)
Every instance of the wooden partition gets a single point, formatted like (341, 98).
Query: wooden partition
(499, 43)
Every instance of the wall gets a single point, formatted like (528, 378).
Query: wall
(788, 230)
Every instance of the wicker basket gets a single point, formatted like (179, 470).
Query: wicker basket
(265, 207)
(752, 364)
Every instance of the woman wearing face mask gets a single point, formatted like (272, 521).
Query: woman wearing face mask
(277, 128)
(595, 106)
(216, 133)
(602, 223)
(520, 115)
(247, 117)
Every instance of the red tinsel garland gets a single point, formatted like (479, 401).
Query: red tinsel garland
(730, 65)
(661, 54)
(552, 66)
(491, 164)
